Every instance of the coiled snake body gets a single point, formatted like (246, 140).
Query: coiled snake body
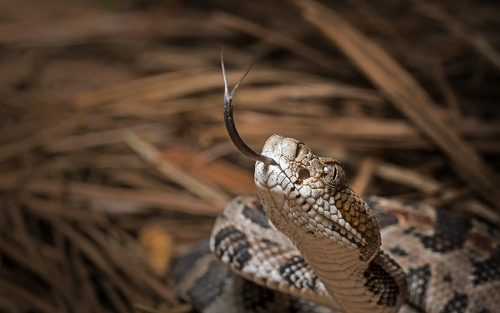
(311, 244)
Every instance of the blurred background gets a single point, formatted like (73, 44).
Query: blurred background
(114, 159)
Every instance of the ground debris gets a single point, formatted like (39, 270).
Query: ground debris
(114, 159)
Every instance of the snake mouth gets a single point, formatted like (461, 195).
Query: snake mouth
(290, 189)
(229, 120)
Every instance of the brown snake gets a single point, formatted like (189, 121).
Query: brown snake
(319, 247)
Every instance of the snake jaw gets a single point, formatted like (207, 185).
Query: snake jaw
(301, 200)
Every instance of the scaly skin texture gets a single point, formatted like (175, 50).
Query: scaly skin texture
(321, 244)
(308, 199)
(328, 248)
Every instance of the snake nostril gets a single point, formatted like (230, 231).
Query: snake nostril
(304, 174)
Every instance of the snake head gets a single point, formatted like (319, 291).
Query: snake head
(307, 195)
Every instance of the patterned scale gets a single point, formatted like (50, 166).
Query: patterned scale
(452, 263)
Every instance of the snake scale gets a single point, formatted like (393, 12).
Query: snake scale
(309, 243)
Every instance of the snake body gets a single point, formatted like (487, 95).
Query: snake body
(309, 243)
(437, 261)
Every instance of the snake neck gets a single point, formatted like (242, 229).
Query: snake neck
(357, 286)
(358, 276)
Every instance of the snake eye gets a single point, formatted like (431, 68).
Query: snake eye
(333, 174)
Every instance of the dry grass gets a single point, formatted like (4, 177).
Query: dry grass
(114, 159)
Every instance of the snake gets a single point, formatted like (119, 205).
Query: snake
(307, 242)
